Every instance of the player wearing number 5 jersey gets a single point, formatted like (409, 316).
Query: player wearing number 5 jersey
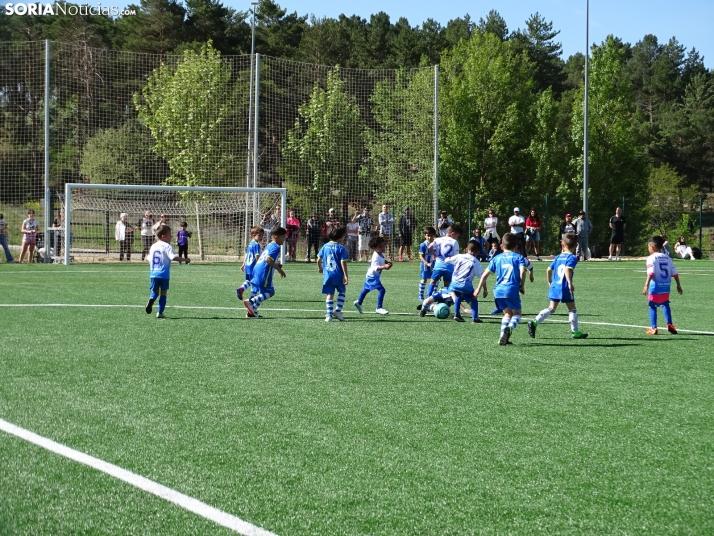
(560, 279)
(332, 262)
(660, 271)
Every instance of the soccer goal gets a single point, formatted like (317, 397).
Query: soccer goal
(218, 220)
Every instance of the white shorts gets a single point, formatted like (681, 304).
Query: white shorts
(364, 242)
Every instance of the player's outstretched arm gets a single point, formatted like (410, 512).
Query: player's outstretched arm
(482, 283)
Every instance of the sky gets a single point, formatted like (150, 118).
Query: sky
(690, 21)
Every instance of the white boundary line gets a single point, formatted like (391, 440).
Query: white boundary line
(241, 309)
(184, 501)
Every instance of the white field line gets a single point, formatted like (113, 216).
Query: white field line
(184, 501)
(321, 311)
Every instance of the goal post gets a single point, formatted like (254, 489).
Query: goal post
(221, 218)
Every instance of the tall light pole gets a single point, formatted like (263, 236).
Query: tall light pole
(249, 165)
(585, 109)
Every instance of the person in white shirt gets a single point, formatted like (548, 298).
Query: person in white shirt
(517, 223)
(147, 234)
(443, 223)
(386, 230)
(124, 234)
(490, 233)
(682, 250)
(29, 229)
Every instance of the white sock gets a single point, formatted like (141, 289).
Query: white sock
(545, 313)
(573, 318)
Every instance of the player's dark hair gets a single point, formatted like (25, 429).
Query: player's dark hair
(657, 242)
(278, 231)
(375, 241)
(455, 228)
(570, 240)
(184, 224)
(509, 241)
(336, 233)
(430, 231)
(472, 247)
(162, 230)
(256, 230)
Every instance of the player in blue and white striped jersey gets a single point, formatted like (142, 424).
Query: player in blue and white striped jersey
(427, 260)
(443, 248)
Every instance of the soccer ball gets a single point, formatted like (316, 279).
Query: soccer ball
(441, 311)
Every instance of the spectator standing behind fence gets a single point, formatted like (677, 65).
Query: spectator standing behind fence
(482, 245)
(3, 240)
(57, 237)
(490, 224)
(182, 237)
(443, 223)
(617, 224)
(314, 231)
(533, 225)
(566, 226)
(583, 227)
(275, 217)
(406, 226)
(518, 223)
(293, 228)
(147, 233)
(682, 250)
(330, 223)
(124, 234)
(366, 227)
(353, 238)
(386, 230)
(29, 236)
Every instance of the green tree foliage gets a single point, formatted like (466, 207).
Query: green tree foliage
(323, 152)
(157, 27)
(188, 109)
(278, 34)
(538, 41)
(668, 198)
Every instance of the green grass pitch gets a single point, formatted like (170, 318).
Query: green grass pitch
(378, 425)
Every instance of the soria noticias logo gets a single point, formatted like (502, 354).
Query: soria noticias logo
(63, 8)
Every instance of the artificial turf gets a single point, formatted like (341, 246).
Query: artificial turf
(378, 425)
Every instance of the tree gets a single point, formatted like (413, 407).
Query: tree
(277, 33)
(494, 24)
(157, 27)
(323, 152)
(669, 198)
(538, 42)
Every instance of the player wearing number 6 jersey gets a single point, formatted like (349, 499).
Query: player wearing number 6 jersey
(660, 271)
(160, 257)
(332, 261)
(560, 279)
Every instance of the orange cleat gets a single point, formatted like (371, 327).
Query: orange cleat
(651, 331)
(672, 329)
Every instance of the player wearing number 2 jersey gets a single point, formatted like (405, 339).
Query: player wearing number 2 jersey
(560, 279)
(660, 271)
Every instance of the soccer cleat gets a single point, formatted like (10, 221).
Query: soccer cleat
(459, 318)
(419, 306)
(652, 331)
(239, 293)
(150, 305)
(672, 329)
(609, 258)
(358, 306)
(249, 306)
(539, 259)
(496, 311)
(618, 258)
(422, 310)
(401, 259)
(160, 315)
(579, 335)
(504, 338)
(328, 318)
(532, 328)
(339, 316)
(476, 321)
(381, 311)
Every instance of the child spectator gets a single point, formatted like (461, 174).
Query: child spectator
(583, 228)
(466, 268)
(493, 251)
(353, 238)
(510, 271)
(182, 241)
(366, 227)
(147, 233)
(3, 240)
(161, 254)
(332, 261)
(386, 228)
(293, 228)
(124, 234)
(567, 226)
(262, 280)
(660, 271)
(314, 233)
(443, 248)
(533, 225)
(29, 236)
(561, 288)
(427, 260)
(252, 252)
(373, 280)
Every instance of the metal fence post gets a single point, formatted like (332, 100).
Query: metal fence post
(48, 195)
(435, 215)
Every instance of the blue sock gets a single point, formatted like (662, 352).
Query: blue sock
(653, 315)
(362, 296)
(422, 287)
(667, 313)
(380, 297)
(340, 301)
(162, 303)
(329, 305)
(474, 309)
(430, 289)
(245, 285)
(515, 319)
(457, 306)
(257, 300)
(504, 323)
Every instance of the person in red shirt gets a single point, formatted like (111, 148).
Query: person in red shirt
(533, 225)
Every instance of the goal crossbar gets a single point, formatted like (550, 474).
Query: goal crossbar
(208, 189)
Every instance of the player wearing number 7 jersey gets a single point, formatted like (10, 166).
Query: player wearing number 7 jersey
(560, 279)
(660, 271)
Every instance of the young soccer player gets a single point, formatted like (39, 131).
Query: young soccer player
(252, 252)
(660, 271)
(182, 241)
(262, 280)
(443, 296)
(332, 261)
(427, 260)
(443, 248)
(160, 256)
(374, 275)
(561, 287)
(510, 271)
(529, 267)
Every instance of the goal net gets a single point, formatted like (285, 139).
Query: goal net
(104, 222)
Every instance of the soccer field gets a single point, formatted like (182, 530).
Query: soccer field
(378, 425)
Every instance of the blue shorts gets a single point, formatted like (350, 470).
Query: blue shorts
(330, 287)
(464, 291)
(442, 273)
(373, 284)
(158, 283)
(514, 304)
(565, 296)
(248, 275)
(425, 273)
(255, 290)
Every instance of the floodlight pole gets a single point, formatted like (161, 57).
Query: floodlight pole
(48, 195)
(585, 109)
(248, 225)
